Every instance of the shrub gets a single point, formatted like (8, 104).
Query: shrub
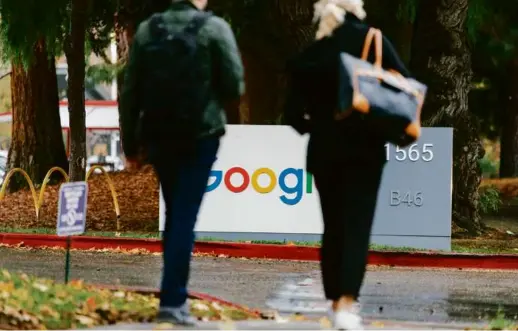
(490, 200)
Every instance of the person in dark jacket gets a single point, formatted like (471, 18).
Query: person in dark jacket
(346, 157)
(184, 179)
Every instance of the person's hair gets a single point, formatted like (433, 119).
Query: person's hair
(330, 14)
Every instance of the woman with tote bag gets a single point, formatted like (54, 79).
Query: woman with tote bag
(346, 157)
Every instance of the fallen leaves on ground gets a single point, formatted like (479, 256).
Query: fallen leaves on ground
(135, 251)
(29, 303)
(137, 195)
(508, 187)
(138, 198)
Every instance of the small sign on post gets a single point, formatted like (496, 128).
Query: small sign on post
(71, 215)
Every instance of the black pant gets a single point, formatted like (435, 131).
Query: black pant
(348, 194)
(184, 182)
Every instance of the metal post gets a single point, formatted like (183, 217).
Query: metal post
(67, 260)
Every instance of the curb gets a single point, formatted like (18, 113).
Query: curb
(192, 295)
(278, 252)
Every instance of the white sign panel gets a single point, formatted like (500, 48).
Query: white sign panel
(259, 189)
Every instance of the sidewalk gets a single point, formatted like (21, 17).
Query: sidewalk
(309, 325)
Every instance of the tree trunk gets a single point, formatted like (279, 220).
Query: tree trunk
(37, 141)
(442, 60)
(276, 30)
(75, 53)
(124, 32)
(509, 136)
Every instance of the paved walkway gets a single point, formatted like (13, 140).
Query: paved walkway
(272, 325)
(438, 296)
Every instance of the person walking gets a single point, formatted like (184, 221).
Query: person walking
(346, 157)
(182, 84)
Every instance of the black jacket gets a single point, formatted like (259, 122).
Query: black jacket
(221, 61)
(313, 90)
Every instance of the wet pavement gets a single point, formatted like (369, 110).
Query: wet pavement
(431, 295)
(274, 325)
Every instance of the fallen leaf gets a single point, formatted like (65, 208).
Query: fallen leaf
(299, 318)
(43, 304)
(119, 294)
(378, 324)
(216, 306)
(90, 303)
(41, 287)
(325, 323)
(6, 274)
(45, 310)
(164, 326)
(227, 325)
(77, 283)
(200, 306)
(85, 320)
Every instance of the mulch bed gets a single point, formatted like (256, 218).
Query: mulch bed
(137, 194)
(508, 187)
(138, 199)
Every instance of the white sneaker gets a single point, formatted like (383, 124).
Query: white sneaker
(347, 319)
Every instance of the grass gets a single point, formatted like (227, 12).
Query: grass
(500, 322)
(139, 235)
(475, 246)
(31, 303)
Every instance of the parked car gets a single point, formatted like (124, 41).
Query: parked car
(115, 162)
(3, 165)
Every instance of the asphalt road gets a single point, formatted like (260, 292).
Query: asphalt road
(431, 295)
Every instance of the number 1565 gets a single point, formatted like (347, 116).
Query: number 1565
(412, 153)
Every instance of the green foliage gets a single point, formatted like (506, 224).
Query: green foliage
(26, 23)
(492, 26)
(407, 10)
(479, 13)
(500, 322)
(489, 168)
(101, 25)
(31, 303)
(493, 32)
(103, 73)
(490, 200)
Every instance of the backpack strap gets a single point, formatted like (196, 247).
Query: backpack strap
(197, 22)
(157, 26)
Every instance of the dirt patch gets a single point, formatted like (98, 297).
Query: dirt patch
(137, 194)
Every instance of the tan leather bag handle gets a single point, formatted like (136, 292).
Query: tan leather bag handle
(378, 46)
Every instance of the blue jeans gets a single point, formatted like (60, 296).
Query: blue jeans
(184, 182)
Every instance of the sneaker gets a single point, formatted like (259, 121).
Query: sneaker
(347, 319)
(176, 315)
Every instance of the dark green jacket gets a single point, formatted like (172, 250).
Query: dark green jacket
(219, 50)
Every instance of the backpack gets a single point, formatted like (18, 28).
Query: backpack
(174, 91)
(390, 103)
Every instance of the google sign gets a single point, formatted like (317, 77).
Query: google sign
(259, 190)
(291, 180)
(297, 189)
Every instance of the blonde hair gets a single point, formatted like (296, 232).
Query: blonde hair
(331, 14)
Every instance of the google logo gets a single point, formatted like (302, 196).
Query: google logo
(290, 182)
